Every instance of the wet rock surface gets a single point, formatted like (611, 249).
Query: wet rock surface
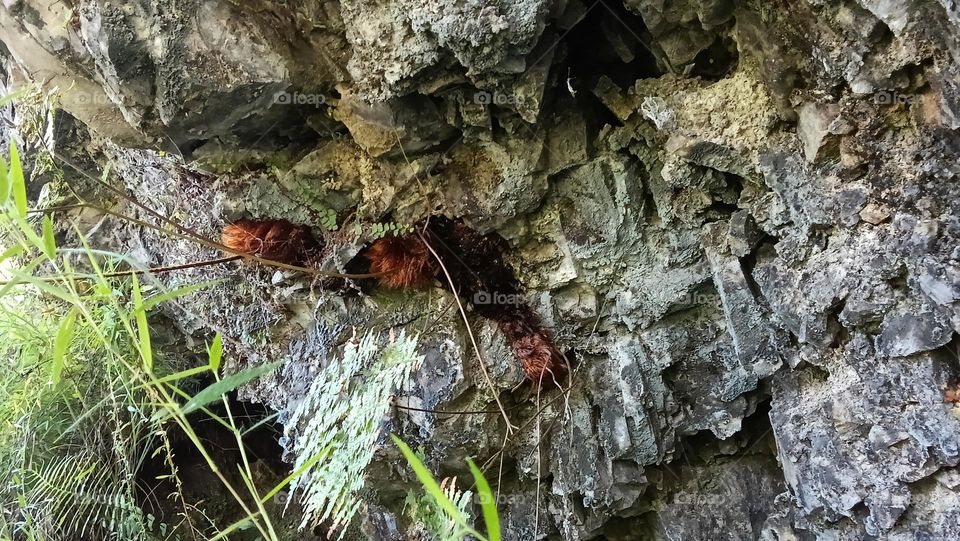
(739, 220)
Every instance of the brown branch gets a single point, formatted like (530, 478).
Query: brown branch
(121, 274)
(439, 412)
(189, 234)
(60, 208)
(171, 268)
(201, 240)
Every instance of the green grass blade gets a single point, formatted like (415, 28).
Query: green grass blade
(18, 277)
(176, 377)
(46, 287)
(87, 413)
(225, 385)
(17, 182)
(242, 524)
(432, 487)
(143, 331)
(488, 502)
(216, 353)
(49, 241)
(61, 344)
(266, 420)
(12, 251)
(306, 465)
(179, 292)
(28, 232)
(12, 96)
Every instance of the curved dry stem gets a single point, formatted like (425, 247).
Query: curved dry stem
(466, 321)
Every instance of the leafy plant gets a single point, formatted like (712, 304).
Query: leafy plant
(86, 399)
(450, 504)
(328, 219)
(80, 496)
(339, 419)
(378, 230)
(71, 439)
(429, 518)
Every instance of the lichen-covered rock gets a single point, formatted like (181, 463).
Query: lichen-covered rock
(870, 434)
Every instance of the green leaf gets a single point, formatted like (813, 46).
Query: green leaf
(17, 183)
(49, 241)
(12, 96)
(432, 487)
(216, 353)
(488, 502)
(12, 251)
(175, 377)
(242, 524)
(265, 421)
(61, 345)
(143, 331)
(213, 392)
(328, 219)
(42, 285)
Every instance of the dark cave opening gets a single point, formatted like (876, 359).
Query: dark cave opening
(950, 353)
(609, 41)
(717, 61)
(198, 483)
(606, 41)
(755, 429)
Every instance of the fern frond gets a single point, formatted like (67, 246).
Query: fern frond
(341, 416)
(76, 496)
(432, 521)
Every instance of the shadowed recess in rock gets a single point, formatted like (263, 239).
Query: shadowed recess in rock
(437, 246)
(480, 275)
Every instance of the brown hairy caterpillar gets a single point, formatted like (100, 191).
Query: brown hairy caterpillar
(277, 240)
(474, 262)
(480, 275)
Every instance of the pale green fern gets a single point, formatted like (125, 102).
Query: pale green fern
(432, 521)
(340, 419)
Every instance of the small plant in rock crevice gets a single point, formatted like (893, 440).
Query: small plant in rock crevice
(443, 509)
(87, 402)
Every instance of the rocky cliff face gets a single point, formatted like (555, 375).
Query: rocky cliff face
(740, 219)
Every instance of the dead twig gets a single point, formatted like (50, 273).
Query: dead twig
(466, 321)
